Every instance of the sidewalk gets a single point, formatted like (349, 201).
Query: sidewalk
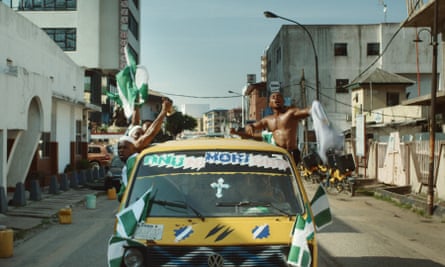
(38, 213)
(369, 230)
(401, 196)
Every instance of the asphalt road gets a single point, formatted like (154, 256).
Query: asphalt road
(365, 232)
(81, 243)
(372, 232)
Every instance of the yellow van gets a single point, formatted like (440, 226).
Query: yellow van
(214, 202)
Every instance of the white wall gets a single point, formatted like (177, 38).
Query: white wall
(97, 31)
(63, 132)
(41, 71)
(297, 55)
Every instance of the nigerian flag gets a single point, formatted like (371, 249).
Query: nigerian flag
(299, 253)
(320, 208)
(128, 218)
(131, 81)
(116, 249)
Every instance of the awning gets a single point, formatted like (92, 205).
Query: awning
(424, 16)
(425, 100)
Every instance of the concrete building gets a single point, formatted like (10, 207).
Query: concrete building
(234, 118)
(43, 126)
(58, 59)
(378, 89)
(216, 122)
(258, 102)
(377, 81)
(93, 33)
(404, 143)
(345, 52)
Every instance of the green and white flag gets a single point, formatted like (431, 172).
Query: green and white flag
(128, 218)
(299, 253)
(116, 249)
(132, 81)
(320, 209)
(126, 86)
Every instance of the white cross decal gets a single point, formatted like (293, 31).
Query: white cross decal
(219, 187)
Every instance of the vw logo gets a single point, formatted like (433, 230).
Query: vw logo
(215, 260)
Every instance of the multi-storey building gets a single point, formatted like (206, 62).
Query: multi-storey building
(234, 118)
(93, 34)
(258, 103)
(43, 125)
(344, 53)
(60, 58)
(216, 122)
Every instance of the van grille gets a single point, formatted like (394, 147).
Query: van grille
(233, 256)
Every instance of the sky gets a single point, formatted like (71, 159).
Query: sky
(197, 50)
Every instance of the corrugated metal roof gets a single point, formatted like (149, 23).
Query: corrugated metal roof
(380, 76)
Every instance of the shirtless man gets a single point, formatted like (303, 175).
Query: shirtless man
(283, 124)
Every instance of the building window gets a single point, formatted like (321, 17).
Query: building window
(340, 85)
(133, 26)
(136, 3)
(47, 5)
(44, 145)
(373, 49)
(392, 99)
(341, 49)
(65, 38)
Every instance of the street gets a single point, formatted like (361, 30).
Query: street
(371, 232)
(366, 232)
(81, 243)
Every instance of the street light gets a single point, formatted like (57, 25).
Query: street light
(242, 105)
(432, 122)
(269, 14)
(432, 126)
(418, 40)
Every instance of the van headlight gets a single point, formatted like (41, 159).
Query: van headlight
(133, 258)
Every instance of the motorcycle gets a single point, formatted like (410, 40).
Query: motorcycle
(335, 176)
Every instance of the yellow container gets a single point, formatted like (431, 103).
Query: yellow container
(65, 216)
(112, 193)
(6, 243)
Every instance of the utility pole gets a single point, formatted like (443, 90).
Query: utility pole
(303, 99)
(432, 126)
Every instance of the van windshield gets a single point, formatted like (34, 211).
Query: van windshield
(214, 184)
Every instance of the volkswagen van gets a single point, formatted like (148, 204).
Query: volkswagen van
(211, 202)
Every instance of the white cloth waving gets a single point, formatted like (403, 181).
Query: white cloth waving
(328, 138)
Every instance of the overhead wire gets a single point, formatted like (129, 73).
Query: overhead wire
(307, 85)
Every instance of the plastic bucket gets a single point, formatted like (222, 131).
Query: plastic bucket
(112, 193)
(91, 201)
(65, 216)
(6, 243)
